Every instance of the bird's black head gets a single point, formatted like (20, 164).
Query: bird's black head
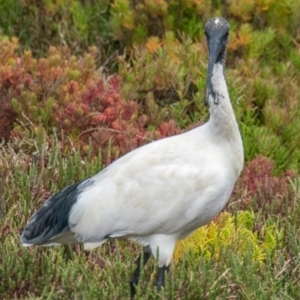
(216, 31)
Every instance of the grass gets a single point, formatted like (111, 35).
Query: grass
(69, 272)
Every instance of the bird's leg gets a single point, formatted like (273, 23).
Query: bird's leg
(161, 277)
(136, 275)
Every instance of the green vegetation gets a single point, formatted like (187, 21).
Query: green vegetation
(83, 82)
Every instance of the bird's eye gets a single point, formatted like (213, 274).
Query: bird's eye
(206, 34)
(226, 35)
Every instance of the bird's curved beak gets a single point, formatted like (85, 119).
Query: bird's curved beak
(214, 49)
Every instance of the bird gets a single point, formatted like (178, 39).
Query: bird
(158, 193)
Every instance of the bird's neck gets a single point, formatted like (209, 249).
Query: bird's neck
(222, 123)
(222, 119)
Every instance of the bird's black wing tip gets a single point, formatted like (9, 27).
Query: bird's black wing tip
(52, 218)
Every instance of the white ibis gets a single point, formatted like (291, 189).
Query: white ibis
(158, 193)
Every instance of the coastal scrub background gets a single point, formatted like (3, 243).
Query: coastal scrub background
(84, 82)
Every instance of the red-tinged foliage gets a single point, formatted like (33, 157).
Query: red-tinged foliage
(7, 115)
(68, 94)
(258, 188)
(168, 128)
(11, 70)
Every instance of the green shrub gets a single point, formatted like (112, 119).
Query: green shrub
(76, 24)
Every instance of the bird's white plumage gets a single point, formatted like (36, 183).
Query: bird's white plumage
(161, 192)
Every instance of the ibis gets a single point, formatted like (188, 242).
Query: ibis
(159, 193)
